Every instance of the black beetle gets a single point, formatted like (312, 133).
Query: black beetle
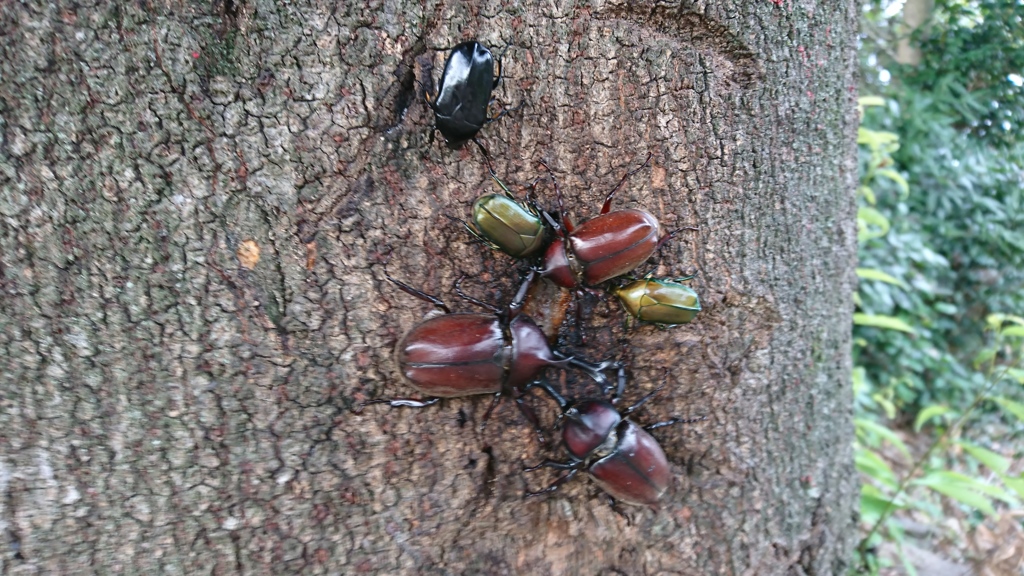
(620, 455)
(455, 355)
(464, 93)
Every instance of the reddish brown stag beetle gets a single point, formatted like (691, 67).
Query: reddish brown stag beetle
(604, 247)
(619, 454)
(455, 355)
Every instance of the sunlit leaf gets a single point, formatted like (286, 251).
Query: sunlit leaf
(929, 413)
(897, 178)
(865, 101)
(1015, 408)
(881, 321)
(873, 274)
(1015, 483)
(952, 487)
(872, 464)
(868, 218)
(1012, 331)
(885, 433)
(867, 193)
(995, 462)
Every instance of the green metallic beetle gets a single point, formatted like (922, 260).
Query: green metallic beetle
(659, 300)
(506, 224)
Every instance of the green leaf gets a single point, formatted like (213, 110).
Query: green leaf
(995, 462)
(865, 101)
(871, 224)
(984, 356)
(929, 413)
(868, 194)
(1015, 483)
(1012, 331)
(881, 431)
(1016, 373)
(873, 274)
(881, 321)
(1015, 408)
(872, 464)
(942, 483)
(897, 178)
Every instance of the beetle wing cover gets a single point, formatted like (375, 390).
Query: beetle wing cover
(669, 303)
(514, 229)
(453, 355)
(465, 91)
(637, 471)
(614, 243)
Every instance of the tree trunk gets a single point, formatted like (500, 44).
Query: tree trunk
(196, 203)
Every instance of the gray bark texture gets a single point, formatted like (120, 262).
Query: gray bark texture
(197, 198)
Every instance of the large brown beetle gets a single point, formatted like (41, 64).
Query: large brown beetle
(455, 355)
(619, 454)
(604, 247)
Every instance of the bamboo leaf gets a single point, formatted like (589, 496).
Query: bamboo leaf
(884, 433)
(995, 462)
(873, 274)
(956, 490)
(1015, 408)
(872, 464)
(881, 321)
(929, 413)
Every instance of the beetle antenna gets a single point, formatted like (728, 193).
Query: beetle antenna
(487, 158)
(608, 199)
(412, 291)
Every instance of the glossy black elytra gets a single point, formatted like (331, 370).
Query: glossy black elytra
(464, 93)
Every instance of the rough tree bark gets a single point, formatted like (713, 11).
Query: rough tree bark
(196, 198)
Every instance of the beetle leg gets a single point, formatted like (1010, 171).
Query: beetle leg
(400, 403)
(547, 387)
(468, 298)
(531, 417)
(487, 415)
(595, 370)
(641, 402)
(414, 292)
(554, 485)
(517, 302)
(487, 157)
(608, 199)
(673, 422)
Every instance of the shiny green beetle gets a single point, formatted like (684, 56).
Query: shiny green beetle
(659, 300)
(515, 228)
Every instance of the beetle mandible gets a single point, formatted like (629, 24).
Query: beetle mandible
(619, 454)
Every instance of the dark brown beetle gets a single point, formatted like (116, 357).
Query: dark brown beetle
(601, 248)
(620, 455)
(456, 355)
